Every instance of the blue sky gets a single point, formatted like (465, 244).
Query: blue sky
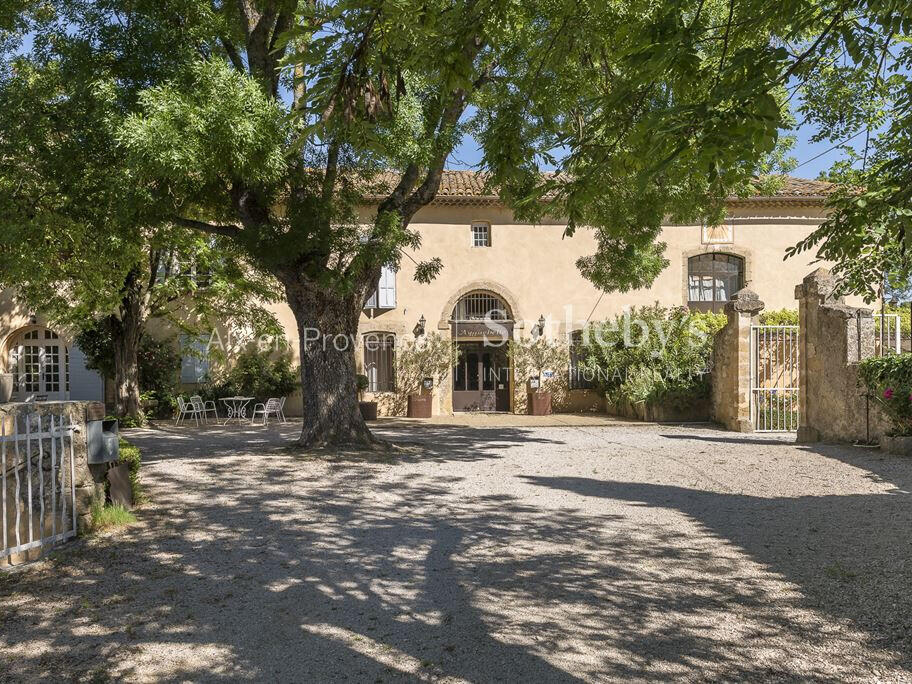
(467, 155)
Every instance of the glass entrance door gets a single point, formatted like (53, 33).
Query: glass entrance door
(481, 378)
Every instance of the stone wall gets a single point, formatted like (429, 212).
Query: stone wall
(730, 398)
(833, 338)
(88, 485)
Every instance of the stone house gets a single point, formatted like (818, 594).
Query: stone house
(522, 273)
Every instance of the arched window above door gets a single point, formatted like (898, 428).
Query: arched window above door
(479, 306)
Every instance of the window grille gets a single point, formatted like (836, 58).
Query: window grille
(380, 361)
(479, 306)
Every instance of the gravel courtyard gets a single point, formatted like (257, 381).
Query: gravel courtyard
(536, 554)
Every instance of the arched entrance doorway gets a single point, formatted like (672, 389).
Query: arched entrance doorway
(39, 363)
(482, 325)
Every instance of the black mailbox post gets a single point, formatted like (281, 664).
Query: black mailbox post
(102, 441)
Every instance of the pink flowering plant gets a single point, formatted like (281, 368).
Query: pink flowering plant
(888, 381)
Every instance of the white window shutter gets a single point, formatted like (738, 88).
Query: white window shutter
(85, 384)
(371, 302)
(188, 361)
(387, 288)
(194, 359)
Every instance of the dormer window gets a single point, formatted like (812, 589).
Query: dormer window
(481, 234)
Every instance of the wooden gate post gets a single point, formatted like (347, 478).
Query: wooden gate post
(731, 373)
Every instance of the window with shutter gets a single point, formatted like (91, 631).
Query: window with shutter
(384, 297)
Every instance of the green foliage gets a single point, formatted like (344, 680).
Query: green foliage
(904, 316)
(888, 380)
(237, 132)
(80, 238)
(531, 357)
(652, 353)
(255, 373)
(429, 356)
(131, 455)
(779, 317)
(128, 422)
(159, 362)
(159, 368)
(362, 382)
(110, 517)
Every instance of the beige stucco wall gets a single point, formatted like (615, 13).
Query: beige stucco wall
(533, 267)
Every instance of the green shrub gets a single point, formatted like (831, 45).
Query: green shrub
(256, 374)
(159, 367)
(888, 380)
(652, 353)
(131, 455)
(779, 317)
(110, 517)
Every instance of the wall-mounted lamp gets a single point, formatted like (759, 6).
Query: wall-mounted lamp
(419, 328)
(539, 329)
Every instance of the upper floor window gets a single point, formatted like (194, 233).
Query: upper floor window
(712, 279)
(380, 361)
(384, 297)
(481, 234)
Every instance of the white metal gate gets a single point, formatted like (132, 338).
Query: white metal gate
(774, 378)
(37, 464)
(887, 338)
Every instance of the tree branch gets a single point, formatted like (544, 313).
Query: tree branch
(804, 55)
(332, 170)
(227, 231)
(233, 54)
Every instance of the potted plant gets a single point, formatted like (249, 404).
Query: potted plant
(533, 359)
(421, 365)
(368, 408)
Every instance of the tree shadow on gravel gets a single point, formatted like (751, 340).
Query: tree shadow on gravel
(850, 555)
(284, 571)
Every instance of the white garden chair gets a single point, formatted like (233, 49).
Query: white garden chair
(271, 407)
(204, 408)
(184, 409)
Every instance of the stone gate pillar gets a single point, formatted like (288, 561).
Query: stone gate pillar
(833, 337)
(731, 384)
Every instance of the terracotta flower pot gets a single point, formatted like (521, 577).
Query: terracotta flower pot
(419, 405)
(539, 403)
(368, 409)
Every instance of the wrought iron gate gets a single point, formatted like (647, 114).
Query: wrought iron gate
(38, 492)
(774, 378)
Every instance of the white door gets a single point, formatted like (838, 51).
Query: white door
(38, 361)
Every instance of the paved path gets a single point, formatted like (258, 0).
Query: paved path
(536, 554)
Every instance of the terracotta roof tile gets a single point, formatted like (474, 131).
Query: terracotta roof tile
(470, 186)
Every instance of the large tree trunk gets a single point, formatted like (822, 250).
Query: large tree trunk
(126, 333)
(327, 330)
(126, 373)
